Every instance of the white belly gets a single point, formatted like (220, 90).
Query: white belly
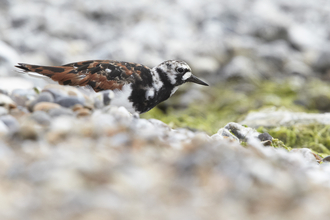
(121, 98)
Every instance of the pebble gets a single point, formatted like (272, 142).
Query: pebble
(307, 154)
(3, 129)
(69, 101)
(83, 112)
(46, 106)
(272, 117)
(77, 107)
(41, 117)
(326, 159)
(11, 123)
(42, 97)
(241, 132)
(56, 112)
(3, 111)
(56, 93)
(22, 96)
(7, 102)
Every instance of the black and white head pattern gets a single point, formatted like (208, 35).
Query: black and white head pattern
(177, 72)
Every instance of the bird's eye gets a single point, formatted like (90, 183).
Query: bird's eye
(180, 70)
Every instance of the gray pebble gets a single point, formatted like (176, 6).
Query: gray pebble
(265, 137)
(326, 159)
(43, 97)
(21, 96)
(69, 101)
(323, 61)
(10, 122)
(57, 94)
(60, 111)
(41, 117)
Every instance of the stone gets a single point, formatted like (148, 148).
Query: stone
(272, 117)
(3, 129)
(56, 112)
(265, 137)
(46, 106)
(83, 112)
(41, 117)
(69, 101)
(241, 132)
(56, 92)
(307, 154)
(11, 123)
(22, 96)
(42, 97)
(3, 111)
(77, 107)
(322, 63)
(7, 102)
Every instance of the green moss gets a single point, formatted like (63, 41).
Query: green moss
(313, 136)
(231, 101)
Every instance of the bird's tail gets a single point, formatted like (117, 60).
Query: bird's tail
(65, 75)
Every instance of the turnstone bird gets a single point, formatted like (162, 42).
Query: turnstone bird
(137, 87)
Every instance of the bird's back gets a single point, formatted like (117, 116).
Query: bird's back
(98, 74)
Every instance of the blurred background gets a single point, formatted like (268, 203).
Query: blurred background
(254, 53)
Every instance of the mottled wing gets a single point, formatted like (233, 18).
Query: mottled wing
(99, 74)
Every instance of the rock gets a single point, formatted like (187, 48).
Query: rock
(22, 96)
(42, 97)
(326, 159)
(224, 134)
(265, 138)
(11, 123)
(322, 63)
(77, 107)
(41, 117)
(83, 112)
(28, 131)
(69, 101)
(307, 154)
(56, 112)
(7, 102)
(57, 93)
(3, 129)
(241, 132)
(303, 38)
(46, 106)
(271, 117)
(3, 111)
(296, 67)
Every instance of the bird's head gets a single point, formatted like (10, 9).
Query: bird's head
(178, 72)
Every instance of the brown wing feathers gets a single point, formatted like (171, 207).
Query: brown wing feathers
(92, 73)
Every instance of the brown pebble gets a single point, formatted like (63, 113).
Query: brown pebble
(45, 106)
(77, 107)
(83, 112)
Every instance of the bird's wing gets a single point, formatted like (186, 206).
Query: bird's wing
(99, 74)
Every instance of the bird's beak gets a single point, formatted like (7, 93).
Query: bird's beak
(194, 79)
